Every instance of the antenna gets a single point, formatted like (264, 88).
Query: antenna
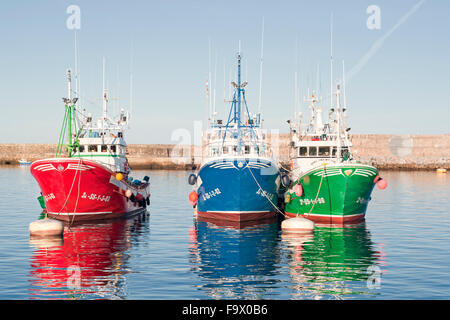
(117, 104)
(104, 91)
(131, 81)
(261, 67)
(214, 92)
(69, 85)
(343, 84)
(77, 84)
(209, 79)
(331, 60)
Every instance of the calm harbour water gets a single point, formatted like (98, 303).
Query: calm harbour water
(401, 252)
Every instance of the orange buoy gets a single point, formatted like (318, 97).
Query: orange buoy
(382, 184)
(119, 176)
(193, 196)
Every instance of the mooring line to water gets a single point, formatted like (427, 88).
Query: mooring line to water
(264, 193)
(320, 185)
(78, 192)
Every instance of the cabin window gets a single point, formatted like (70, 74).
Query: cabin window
(312, 151)
(235, 149)
(214, 151)
(104, 148)
(81, 149)
(345, 152)
(324, 151)
(92, 148)
(247, 149)
(113, 149)
(225, 150)
(119, 134)
(302, 151)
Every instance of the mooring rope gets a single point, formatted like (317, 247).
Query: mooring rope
(264, 193)
(78, 192)
(71, 187)
(320, 185)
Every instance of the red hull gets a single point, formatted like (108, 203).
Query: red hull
(79, 190)
(236, 216)
(320, 218)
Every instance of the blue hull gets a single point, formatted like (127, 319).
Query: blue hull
(238, 189)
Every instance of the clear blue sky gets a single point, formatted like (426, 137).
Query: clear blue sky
(404, 87)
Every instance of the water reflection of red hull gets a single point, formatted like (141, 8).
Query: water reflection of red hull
(90, 255)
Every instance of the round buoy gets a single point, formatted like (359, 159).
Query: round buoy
(382, 184)
(297, 225)
(46, 227)
(298, 189)
(193, 196)
(128, 193)
(119, 176)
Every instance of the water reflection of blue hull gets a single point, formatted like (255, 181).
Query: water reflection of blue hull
(231, 254)
(239, 189)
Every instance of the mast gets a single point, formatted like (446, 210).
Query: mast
(69, 119)
(331, 61)
(209, 79)
(69, 110)
(343, 84)
(69, 85)
(261, 67)
(105, 100)
(238, 113)
(338, 107)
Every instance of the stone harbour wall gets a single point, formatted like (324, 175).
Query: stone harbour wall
(397, 152)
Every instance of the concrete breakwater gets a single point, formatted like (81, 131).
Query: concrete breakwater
(398, 152)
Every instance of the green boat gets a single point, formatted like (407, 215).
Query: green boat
(328, 185)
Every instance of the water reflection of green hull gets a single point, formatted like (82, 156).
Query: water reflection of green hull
(332, 258)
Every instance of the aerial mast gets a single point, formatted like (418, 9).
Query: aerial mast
(338, 107)
(331, 61)
(261, 68)
(105, 100)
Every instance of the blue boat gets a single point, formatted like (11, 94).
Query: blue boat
(238, 179)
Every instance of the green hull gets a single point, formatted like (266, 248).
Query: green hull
(333, 193)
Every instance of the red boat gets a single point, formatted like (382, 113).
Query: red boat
(89, 179)
(76, 189)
